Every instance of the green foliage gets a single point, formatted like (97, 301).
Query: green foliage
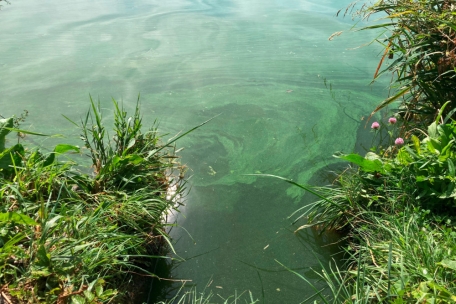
(398, 211)
(397, 204)
(431, 162)
(13, 217)
(5, 129)
(71, 237)
(425, 170)
(130, 159)
(12, 155)
(393, 258)
(420, 44)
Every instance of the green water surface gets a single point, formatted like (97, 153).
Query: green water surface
(260, 66)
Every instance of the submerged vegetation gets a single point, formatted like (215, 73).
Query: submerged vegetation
(72, 237)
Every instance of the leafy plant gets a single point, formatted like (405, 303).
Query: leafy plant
(12, 155)
(128, 160)
(425, 169)
(397, 209)
(419, 50)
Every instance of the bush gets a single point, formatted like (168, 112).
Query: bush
(424, 170)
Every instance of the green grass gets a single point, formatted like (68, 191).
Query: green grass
(72, 237)
(395, 259)
(397, 211)
(396, 205)
(418, 38)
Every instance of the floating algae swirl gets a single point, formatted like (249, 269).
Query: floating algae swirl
(264, 127)
(238, 224)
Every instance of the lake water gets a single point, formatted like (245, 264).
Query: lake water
(260, 65)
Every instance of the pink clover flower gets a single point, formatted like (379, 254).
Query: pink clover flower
(399, 141)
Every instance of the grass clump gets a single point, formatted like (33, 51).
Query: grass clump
(397, 208)
(68, 236)
(419, 42)
(394, 259)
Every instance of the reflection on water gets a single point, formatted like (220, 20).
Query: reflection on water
(261, 65)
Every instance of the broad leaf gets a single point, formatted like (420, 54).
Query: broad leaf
(17, 218)
(99, 289)
(448, 264)
(416, 144)
(63, 148)
(5, 124)
(430, 146)
(11, 154)
(77, 299)
(365, 164)
(451, 170)
(432, 131)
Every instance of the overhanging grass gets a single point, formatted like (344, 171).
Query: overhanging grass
(399, 219)
(71, 237)
(395, 260)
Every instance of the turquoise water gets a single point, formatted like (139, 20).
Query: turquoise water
(260, 66)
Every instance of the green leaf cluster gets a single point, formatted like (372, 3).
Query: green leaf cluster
(425, 167)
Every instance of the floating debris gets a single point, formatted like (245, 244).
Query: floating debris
(211, 171)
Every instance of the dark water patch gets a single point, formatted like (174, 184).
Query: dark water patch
(245, 240)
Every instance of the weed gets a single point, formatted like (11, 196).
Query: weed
(72, 237)
(419, 45)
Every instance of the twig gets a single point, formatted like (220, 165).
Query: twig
(372, 255)
(6, 298)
